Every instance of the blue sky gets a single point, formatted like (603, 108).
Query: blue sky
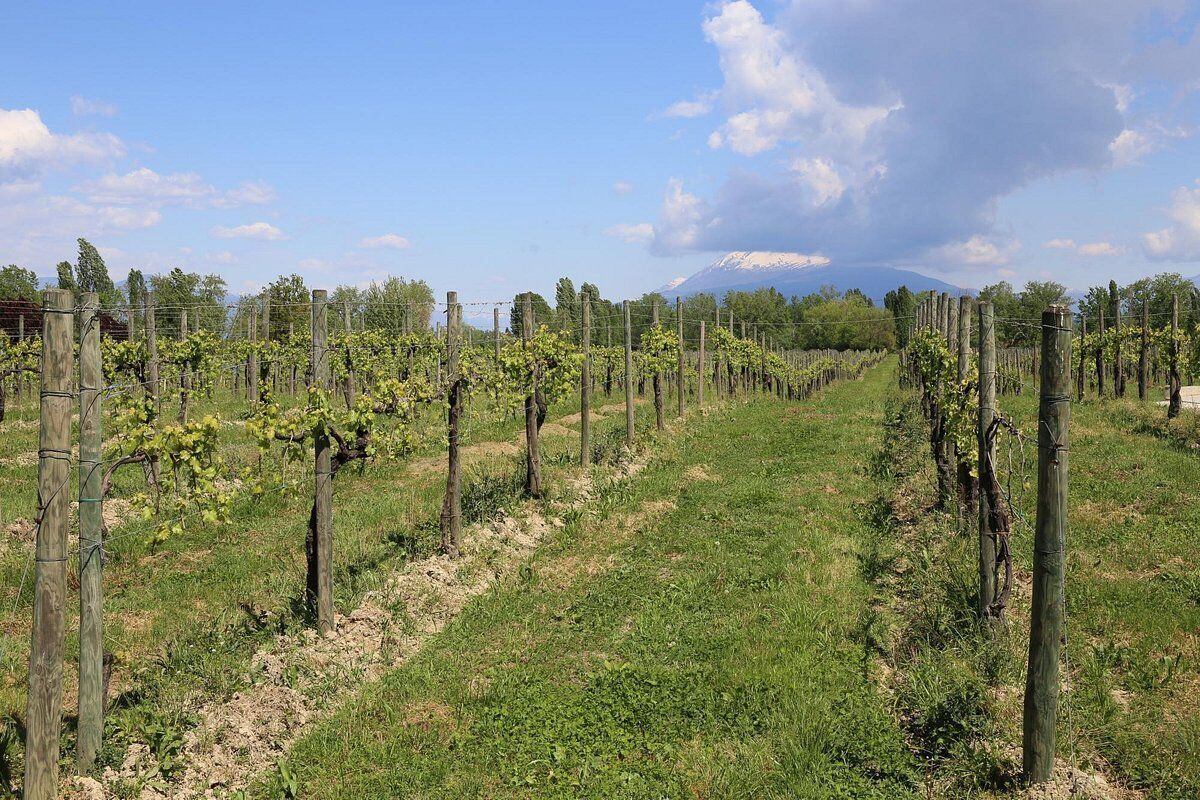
(490, 148)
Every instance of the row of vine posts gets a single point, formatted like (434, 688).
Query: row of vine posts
(959, 401)
(740, 365)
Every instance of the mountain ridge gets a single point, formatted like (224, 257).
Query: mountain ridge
(799, 274)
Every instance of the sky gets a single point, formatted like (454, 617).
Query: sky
(491, 148)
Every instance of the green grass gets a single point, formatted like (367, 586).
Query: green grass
(1132, 670)
(694, 636)
(184, 618)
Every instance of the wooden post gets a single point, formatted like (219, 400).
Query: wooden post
(585, 384)
(185, 377)
(1144, 350)
(320, 550)
(43, 717)
(1100, 355)
(1080, 379)
(533, 460)
(657, 378)
(700, 369)
(628, 376)
(252, 357)
(1046, 613)
(1118, 373)
(496, 331)
(968, 485)
(679, 373)
(1174, 404)
(451, 521)
(91, 556)
(987, 454)
(348, 384)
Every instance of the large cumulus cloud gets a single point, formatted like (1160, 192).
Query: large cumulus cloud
(875, 130)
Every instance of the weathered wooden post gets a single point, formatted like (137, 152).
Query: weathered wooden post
(185, 375)
(252, 354)
(496, 331)
(451, 520)
(1118, 371)
(700, 369)
(585, 384)
(1144, 350)
(1079, 376)
(679, 373)
(987, 455)
(1046, 613)
(533, 461)
(91, 556)
(43, 716)
(628, 375)
(1100, 355)
(320, 551)
(968, 485)
(348, 382)
(657, 377)
(1174, 404)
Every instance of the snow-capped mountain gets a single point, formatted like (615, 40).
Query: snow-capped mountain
(798, 274)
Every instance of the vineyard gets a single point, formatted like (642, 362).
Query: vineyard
(358, 562)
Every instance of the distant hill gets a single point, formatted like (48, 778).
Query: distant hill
(795, 274)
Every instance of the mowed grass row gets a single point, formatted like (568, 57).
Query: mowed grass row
(1130, 702)
(694, 636)
(184, 618)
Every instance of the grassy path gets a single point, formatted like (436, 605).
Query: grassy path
(694, 635)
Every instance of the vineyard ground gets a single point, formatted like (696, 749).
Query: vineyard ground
(183, 620)
(774, 611)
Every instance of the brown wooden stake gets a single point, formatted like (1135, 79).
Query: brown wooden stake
(43, 715)
(680, 380)
(700, 369)
(496, 331)
(1144, 350)
(987, 454)
(91, 556)
(1080, 378)
(451, 520)
(968, 485)
(252, 355)
(657, 379)
(533, 459)
(1100, 355)
(185, 375)
(1174, 404)
(628, 376)
(348, 386)
(585, 385)
(320, 544)
(1118, 372)
(1046, 612)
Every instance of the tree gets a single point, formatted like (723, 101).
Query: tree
(17, 283)
(903, 305)
(542, 313)
(386, 304)
(203, 296)
(66, 277)
(91, 275)
(566, 305)
(289, 299)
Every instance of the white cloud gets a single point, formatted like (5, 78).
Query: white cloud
(631, 234)
(784, 98)
(687, 109)
(82, 107)
(146, 187)
(1060, 244)
(821, 178)
(681, 216)
(28, 147)
(388, 240)
(977, 251)
(263, 231)
(622, 187)
(1132, 144)
(1181, 240)
(1098, 249)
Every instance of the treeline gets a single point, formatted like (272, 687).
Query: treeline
(394, 304)
(1018, 312)
(822, 320)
